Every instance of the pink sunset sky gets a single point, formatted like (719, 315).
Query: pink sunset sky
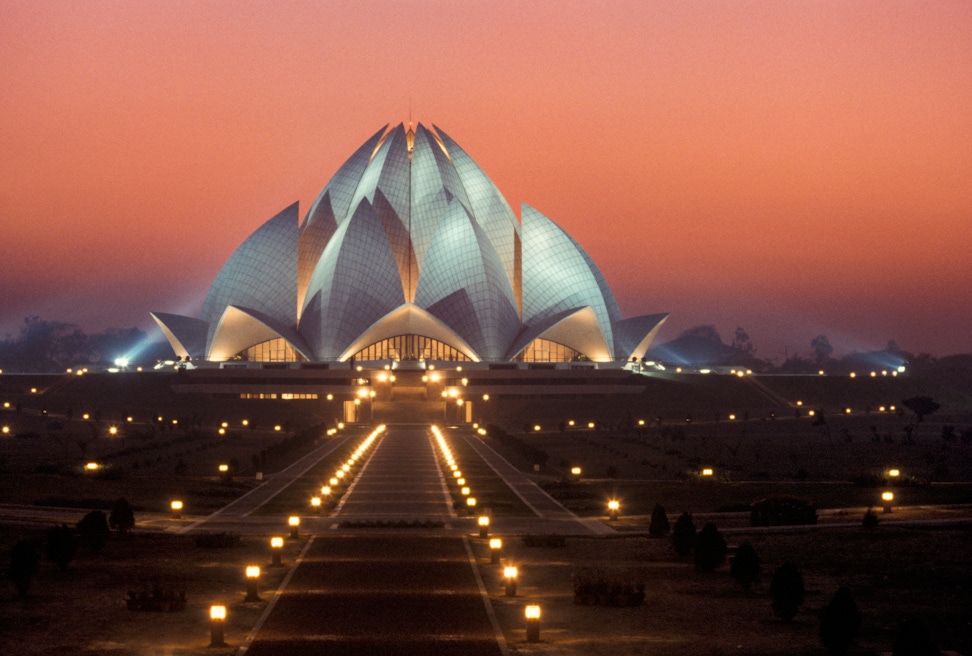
(794, 168)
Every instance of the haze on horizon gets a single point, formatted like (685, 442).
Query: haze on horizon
(792, 168)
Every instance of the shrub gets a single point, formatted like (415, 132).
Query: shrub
(94, 531)
(122, 517)
(787, 591)
(840, 622)
(745, 567)
(710, 549)
(870, 519)
(683, 535)
(23, 566)
(61, 546)
(782, 510)
(659, 526)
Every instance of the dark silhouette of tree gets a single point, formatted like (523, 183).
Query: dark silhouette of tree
(61, 546)
(821, 349)
(787, 591)
(122, 517)
(23, 566)
(683, 535)
(840, 622)
(745, 567)
(922, 406)
(914, 639)
(741, 343)
(94, 531)
(659, 526)
(710, 549)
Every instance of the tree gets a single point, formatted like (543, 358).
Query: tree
(922, 406)
(821, 349)
(61, 546)
(710, 549)
(787, 591)
(94, 531)
(840, 622)
(745, 567)
(122, 517)
(741, 343)
(23, 566)
(659, 526)
(683, 535)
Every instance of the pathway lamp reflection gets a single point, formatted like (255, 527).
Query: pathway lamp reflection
(252, 576)
(887, 498)
(217, 618)
(483, 526)
(294, 522)
(614, 507)
(176, 506)
(532, 614)
(509, 577)
(276, 548)
(495, 549)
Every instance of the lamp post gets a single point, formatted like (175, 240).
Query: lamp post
(532, 614)
(614, 507)
(217, 618)
(276, 547)
(483, 526)
(294, 522)
(252, 576)
(887, 498)
(316, 504)
(509, 577)
(495, 548)
(176, 509)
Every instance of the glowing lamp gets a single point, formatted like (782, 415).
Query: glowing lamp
(532, 615)
(5, 430)
(276, 547)
(483, 526)
(576, 471)
(509, 576)
(495, 547)
(894, 473)
(113, 430)
(252, 576)
(277, 428)
(86, 416)
(460, 481)
(457, 474)
(294, 522)
(887, 498)
(333, 481)
(316, 504)
(590, 424)
(91, 466)
(176, 508)
(707, 471)
(614, 507)
(536, 428)
(465, 491)
(223, 469)
(326, 490)
(217, 618)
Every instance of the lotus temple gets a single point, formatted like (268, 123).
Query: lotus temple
(410, 254)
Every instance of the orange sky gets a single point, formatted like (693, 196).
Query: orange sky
(794, 168)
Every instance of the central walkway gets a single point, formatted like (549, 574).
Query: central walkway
(400, 591)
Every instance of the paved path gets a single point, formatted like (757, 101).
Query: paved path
(381, 592)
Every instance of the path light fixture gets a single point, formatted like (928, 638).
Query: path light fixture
(887, 498)
(460, 481)
(894, 473)
(465, 491)
(176, 506)
(92, 466)
(252, 576)
(471, 503)
(326, 491)
(217, 618)
(509, 577)
(276, 548)
(575, 471)
(483, 526)
(532, 614)
(316, 504)
(614, 507)
(495, 549)
(707, 472)
(333, 482)
(294, 522)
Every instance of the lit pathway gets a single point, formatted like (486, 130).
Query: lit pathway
(390, 590)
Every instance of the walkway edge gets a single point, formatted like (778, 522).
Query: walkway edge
(497, 630)
(273, 602)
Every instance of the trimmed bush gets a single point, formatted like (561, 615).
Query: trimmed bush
(710, 549)
(840, 622)
(122, 517)
(683, 535)
(94, 531)
(787, 591)
(745, 567)
(659, 526)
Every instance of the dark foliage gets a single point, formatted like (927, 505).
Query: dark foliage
(122, 517)
(710, 549)
(787, 591)
(61, 546)
(922, 406)
(782, 510)
(840, 622)
(596, 587)
(914, 639)
(745, 567)
(870, 519)
(23, 566)
(659, 526)
(683, 535)
(93, 530)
